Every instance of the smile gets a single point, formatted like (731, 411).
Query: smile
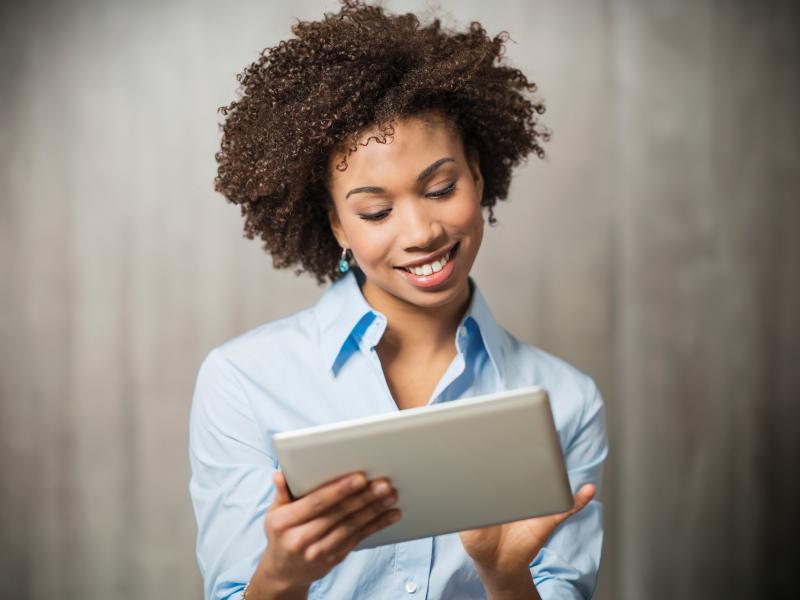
(433, 273)
(431, 267)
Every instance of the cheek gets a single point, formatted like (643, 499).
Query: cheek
(470, 222)
(467, 214)
(369, 242)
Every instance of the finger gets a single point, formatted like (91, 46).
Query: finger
(316, 528)
(350, 526)
(580, 500)
(320, 500)
(282, 489)
(378, 523)
(584, 496)
(345, 536)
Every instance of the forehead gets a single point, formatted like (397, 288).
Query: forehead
(416, 142)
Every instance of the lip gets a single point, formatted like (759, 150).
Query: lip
(434, 280)
(427, 259)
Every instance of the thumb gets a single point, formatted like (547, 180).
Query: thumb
(282, 495)
(580, 500)
(584, 496)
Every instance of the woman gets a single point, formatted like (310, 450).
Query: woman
(364, 150)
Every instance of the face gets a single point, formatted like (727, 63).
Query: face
(411, 200)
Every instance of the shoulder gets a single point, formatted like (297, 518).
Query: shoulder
(528, 365)
(574, 396)
(272, 344)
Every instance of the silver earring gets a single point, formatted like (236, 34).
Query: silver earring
(344, 265)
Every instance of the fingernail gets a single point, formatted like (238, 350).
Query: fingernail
(380, 488)
(357, 482)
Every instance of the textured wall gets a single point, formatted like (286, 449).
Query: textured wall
(656, 248)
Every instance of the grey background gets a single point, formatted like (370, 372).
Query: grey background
(656, 248)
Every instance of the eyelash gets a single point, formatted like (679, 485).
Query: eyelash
(436, 195)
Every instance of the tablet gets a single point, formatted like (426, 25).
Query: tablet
(461, 464)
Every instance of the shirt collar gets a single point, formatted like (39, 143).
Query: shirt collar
(345, 316)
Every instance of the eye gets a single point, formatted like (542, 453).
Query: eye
(445, 192)
(380, 216)
(376, 216)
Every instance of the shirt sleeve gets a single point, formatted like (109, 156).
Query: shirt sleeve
(568, 564)
(231, 479)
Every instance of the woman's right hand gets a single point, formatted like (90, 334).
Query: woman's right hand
(307, 537)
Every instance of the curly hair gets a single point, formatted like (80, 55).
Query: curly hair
(314, 94)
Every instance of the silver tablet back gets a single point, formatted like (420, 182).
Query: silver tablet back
(458, 465)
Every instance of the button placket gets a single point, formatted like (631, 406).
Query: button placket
(413, 566)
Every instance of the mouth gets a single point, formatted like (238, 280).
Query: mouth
(434, 265)
(433, 273)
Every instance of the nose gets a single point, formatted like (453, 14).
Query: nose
(421, 227)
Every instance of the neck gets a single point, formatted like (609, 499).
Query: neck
(411, 328)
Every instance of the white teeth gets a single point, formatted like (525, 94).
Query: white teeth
(433, 267)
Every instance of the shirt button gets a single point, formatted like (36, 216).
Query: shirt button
(411, 587)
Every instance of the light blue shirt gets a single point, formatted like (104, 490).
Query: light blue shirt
(320, 365)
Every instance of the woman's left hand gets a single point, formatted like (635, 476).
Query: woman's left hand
(509, 548)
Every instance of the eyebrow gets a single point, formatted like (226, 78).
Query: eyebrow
(371, 189)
